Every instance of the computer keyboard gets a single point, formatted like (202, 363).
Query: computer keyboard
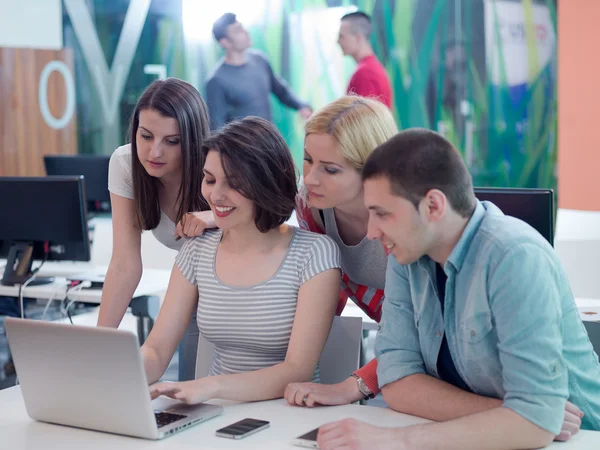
(164, 418)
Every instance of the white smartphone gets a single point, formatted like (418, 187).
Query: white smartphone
(242, 429)
(308, 440)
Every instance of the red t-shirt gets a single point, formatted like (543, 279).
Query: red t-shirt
(371, 80)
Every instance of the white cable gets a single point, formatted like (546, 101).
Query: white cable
(24, 285)
(22, 293)
(73, 290)
(50, 300)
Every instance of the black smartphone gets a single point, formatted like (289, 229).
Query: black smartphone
(243, 428)
(308, 440)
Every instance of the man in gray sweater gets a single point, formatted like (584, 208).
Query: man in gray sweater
(242, 81)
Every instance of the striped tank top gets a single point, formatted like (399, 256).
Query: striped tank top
(250, 327)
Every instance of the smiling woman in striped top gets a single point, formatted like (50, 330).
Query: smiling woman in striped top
(255, 281)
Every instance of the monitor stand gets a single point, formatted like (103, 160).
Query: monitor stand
(18, 266)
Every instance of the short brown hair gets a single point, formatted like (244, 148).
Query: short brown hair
(220, 26)
(181, 101)
(360, 23)
(258, 164)
(418, 160)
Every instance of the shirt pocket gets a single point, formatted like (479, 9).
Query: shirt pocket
(475, 327)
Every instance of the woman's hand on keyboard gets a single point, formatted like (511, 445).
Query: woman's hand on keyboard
(189, 392)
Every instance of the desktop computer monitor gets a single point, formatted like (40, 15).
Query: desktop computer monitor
(533, 206)
(94, 169)
(43, 218)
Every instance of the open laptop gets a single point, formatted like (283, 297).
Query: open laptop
(94, 378)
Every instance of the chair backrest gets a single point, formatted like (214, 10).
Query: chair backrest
(340, 357)
(533, 206)
(204, 356)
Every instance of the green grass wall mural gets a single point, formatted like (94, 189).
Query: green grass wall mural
(482, 72)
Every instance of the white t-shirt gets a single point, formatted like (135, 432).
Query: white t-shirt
(120, 182)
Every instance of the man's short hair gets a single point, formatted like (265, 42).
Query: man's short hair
(417, 160)
(360, 23)
(221, 24)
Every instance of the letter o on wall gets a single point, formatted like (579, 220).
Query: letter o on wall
(52, 121)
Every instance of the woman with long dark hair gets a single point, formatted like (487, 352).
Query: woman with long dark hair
(155, 181)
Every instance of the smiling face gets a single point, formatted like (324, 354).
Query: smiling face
(330, 180)
(394, 220)
(231, 208)
(158, 144)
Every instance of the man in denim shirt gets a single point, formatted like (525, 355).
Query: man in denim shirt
(479, 329)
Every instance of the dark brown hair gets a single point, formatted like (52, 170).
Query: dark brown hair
(181, 101)
(360, 23)
(220, 26)
(258, 164)
(418, 160)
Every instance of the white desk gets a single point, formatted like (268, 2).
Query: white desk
(153, 282)
(18, 431)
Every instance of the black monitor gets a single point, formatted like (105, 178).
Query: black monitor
(43, 218)
(94, 168)
(533, 206)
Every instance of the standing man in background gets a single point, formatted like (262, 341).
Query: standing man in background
(241, 83)
(370, 78)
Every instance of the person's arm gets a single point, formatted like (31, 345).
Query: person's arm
(496, 429)
(281, 89)
(406, 386)
(309, 335)
(526, 310)
(216, 103)
(125, 268)
(173, 319)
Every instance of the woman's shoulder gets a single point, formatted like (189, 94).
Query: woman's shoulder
(121, 157)
(308, 239)
(119, 172)
(209, 238)
(123, 150)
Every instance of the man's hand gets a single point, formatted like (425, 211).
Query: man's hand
(571, 424)
(350, 434)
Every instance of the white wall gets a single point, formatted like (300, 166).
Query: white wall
(577, 243)
(31, 24)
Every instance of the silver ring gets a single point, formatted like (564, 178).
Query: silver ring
(305, 398)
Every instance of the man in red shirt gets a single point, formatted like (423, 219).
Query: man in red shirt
(370, 78)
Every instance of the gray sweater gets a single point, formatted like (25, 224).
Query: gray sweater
(238, 91)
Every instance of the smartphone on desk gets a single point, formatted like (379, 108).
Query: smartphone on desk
(308, 440)
(242, 429)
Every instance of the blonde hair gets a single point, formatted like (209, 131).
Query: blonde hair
(357, 124)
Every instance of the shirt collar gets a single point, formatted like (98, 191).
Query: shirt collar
(460, 250)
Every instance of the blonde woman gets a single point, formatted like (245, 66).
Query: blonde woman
(339, 139)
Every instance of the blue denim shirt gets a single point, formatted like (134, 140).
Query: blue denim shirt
(512, 325)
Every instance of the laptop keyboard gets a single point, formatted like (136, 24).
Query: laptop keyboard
(165, 418)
